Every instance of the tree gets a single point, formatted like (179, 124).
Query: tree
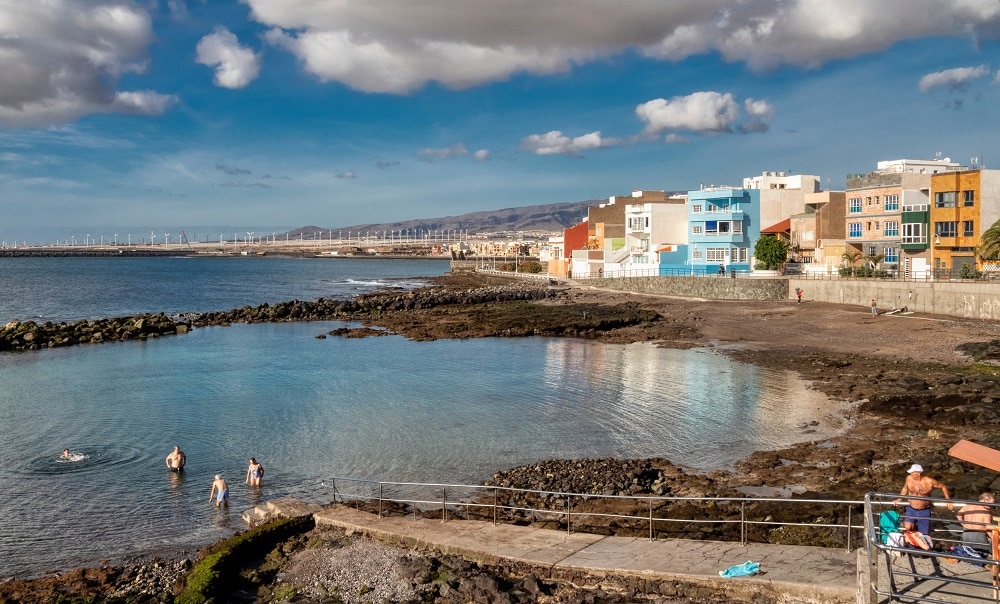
(770, 252)
(851, 257)
(874, 260)
(989, 245)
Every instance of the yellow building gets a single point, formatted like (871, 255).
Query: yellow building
(964, 204)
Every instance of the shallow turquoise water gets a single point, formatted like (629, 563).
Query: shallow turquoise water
(310, 409)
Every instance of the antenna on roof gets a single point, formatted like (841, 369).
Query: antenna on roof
(937, 155)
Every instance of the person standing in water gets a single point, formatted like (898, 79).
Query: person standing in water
(176, 460)
(219, 484)
(255, 471)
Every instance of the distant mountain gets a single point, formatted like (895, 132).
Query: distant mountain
(551, 217)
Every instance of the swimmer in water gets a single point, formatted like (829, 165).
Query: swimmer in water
(66, 454)
(176, 460)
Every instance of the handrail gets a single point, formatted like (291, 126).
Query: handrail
(890, 578)
(490, 502)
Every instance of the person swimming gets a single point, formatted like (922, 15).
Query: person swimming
(67, 455)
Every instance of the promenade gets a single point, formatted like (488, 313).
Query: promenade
(789, 573)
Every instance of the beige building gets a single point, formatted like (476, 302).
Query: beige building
(817, 233)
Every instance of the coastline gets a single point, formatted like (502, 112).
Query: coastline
(911, 382)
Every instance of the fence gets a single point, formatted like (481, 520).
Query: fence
(900, 573)
(508, 504)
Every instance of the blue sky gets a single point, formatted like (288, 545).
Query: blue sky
(337, 112)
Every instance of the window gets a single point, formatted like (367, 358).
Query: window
(969, 197)
(876, 225)
(945, 199)
(738, 254)
(638, 223)
(892, 202)
(945, 229)
(696, 254)
(697, 229)
(871, 250)
(876, 200)
(855, 205)
(855, 229)
(914, 232)
(868, 225)
(696, 208)
(715, 254)
(890, 254)
(968, 228)
(868, 200)
(890, 228)
(737, 226)
(711, 227)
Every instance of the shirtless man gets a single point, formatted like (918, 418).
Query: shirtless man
(176, 460)
(975, 519)
(918, 511)
(219, 484)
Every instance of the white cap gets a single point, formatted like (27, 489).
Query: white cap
(915, 468)
(217, 476)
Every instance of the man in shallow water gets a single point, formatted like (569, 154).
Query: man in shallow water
(176, 459)
(219, 484)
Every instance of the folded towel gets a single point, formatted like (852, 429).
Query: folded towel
(741, 570)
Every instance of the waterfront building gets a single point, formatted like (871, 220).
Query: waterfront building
(817, 233)
(887, 214)
(726, 222)
(965, 203)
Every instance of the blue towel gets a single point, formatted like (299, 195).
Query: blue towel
(741, 570)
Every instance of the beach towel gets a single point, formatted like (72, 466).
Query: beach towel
(888, 522)
(918, 540)
(741, 570)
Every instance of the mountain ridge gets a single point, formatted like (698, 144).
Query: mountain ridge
(553, 217)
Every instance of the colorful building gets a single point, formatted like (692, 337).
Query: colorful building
(964, 205)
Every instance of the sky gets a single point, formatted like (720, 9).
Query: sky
(338, 112)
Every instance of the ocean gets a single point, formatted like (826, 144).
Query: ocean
(312, 408)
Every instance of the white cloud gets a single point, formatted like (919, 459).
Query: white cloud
(397, 46)
(345, 175)
(143, 102)
(705, 111)
(481, 155)
(235, 65)
(953, 78)
(557, 143)
(62, 59)
(457, 150)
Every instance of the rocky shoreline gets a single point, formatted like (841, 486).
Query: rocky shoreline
(913, 387)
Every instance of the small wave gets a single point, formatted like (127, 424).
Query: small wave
(364, 282)
(89, 459)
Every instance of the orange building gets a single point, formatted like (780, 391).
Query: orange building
(963, 205)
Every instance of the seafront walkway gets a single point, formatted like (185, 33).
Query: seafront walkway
(789, 573)
(669, 567)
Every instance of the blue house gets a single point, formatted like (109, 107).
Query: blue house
(724, 225)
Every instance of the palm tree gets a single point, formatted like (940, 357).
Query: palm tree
(989, 243)
(874, 260)
(851, 257)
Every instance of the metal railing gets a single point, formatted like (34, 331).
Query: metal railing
(501, 504)
(905, 573)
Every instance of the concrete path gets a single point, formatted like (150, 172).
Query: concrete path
(790, 573)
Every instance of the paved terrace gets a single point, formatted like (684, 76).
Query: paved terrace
(796, 574)
(790, 573)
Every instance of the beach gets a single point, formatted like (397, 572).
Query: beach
(905, 390)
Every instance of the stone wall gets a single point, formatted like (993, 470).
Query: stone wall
(717, 288)
(971, 299)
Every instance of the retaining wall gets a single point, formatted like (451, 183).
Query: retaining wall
(970, 299)
(718, 288)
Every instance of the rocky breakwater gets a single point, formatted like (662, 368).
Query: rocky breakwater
(29, 335)
(370, 306)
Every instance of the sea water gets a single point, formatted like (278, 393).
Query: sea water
(311, 408)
